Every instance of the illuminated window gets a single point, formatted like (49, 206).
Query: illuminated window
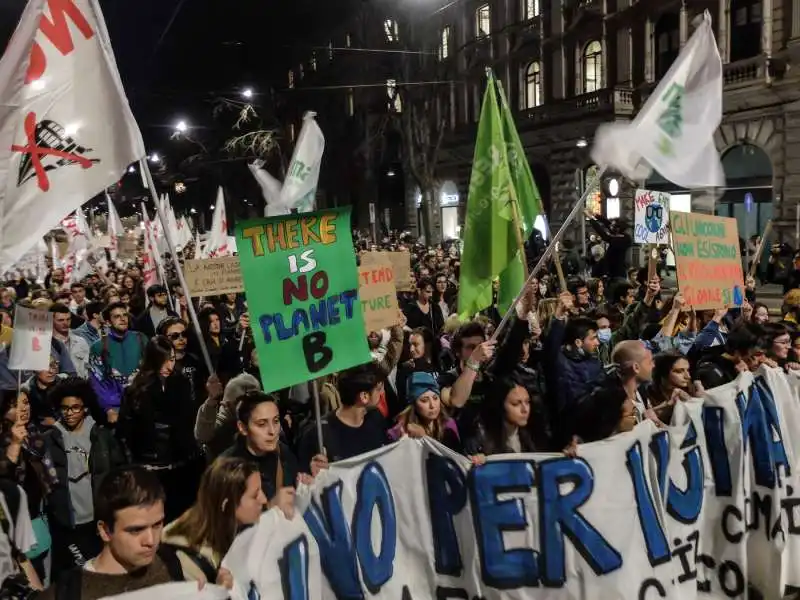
(348, 40)
(395, 104)
(300, 71)
(313, 62)
(350, 102)
(330, 51)
(533, 85)
(483, 21)
(291, 132)
(291, 78)
(592, 67)
(530, 9)
(444, 43)
(391, 31)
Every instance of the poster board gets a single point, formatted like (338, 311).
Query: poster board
(301, 281)
(127, 247)
(708, 260)
(651, 217)
(378, 295)
(213, 276)
(33, 335)
(401, 265)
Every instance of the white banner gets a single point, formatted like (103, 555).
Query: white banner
(175, 591)
(651, 217)
(698, 510)
(33, 334)
(300, 187)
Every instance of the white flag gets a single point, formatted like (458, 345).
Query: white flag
(300, 188)
(217, 244)
(33, 334)
(270, 189)
(186, 232)
(673, 134)
(198, 253)
(115, 228)
(66, 130)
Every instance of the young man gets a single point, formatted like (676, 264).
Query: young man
(355, 427)
(129, 509)
(114, 358)
(90, 330)
(82, 452)
(157, 310)
(77, 347)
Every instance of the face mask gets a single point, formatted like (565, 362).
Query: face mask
(604, 335)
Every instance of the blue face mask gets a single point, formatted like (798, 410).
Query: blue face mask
(604, 335)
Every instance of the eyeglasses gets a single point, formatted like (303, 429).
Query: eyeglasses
(177, 335)
(71, 410)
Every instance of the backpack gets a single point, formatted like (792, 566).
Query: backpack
(69, 584)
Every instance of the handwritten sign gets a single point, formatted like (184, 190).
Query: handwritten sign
(378, 296)
(401, 265)
(127, 247)
(651, 217)
(213, 276)
(707, 260)
(301, 281)
(33, 334)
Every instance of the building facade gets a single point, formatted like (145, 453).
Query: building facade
(566, 67)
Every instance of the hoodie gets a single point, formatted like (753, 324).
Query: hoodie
(216, 421)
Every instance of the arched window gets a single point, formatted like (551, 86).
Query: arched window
(483, 21)
(533, 85)
(746, 24)
(592, 67)
(530, 9)
(667, 42)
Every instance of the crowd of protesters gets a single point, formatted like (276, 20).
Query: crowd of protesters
(127, 463)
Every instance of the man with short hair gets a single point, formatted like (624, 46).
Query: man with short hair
(78, 301)
(77, 347)
(129, 509)
(114, 358)
(90, 330)
(635, 366)
(157, 310)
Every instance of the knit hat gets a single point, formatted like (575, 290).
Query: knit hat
(420, 382)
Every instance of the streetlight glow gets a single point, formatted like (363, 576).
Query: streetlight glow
(181, 127)
(582, 143)
(131, 169)
(212, 207)
(247, 93)
(155, 158)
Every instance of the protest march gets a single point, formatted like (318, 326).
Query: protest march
(288, 407)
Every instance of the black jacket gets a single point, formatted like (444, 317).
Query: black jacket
(268, 465)
(144, 324)
(156, 424)
(106, 454)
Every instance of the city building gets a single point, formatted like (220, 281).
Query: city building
(566, 67)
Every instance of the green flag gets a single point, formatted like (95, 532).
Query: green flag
(490, 242)
(529, 202)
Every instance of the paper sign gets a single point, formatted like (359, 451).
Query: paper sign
(378, 296)
(707, 260)
(401, 265)
(127, 247)
(33, 334)
(213, 276)
(301, 281)
(651, 217)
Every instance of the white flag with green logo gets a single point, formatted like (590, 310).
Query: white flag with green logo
(673, 134)
(300, 187)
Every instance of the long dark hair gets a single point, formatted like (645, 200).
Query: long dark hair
(664, 363)
(156, 353)
(493, 415)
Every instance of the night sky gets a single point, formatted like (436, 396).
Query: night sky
(177, 56)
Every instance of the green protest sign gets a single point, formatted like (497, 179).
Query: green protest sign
(301, 282)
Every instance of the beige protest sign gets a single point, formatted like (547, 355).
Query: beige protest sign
(127, 247)
(213, 276)
(378, 295)
(400, 263)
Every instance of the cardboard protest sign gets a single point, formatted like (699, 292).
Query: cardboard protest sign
(378, 296)
(127, 247)
(33, 334)
(699, 510)
(707, 260)
(401, 265)
(213, 276)
(651, 217)
(301, 281)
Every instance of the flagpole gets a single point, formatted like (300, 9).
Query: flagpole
(547, 253)
(145, 168)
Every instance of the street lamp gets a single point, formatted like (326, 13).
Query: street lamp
(181, 127)
(582, 143)
(155, 158)
(192, 211)
(247, 93)
(131, 169)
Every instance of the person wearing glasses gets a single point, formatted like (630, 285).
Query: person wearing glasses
(187, 363)
(114, 358)
(82, 452)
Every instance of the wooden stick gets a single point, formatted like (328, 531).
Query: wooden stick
(761, 245)
(652, 262)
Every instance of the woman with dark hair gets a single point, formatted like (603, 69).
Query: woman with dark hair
(606, 411)
(597, 291)
(156, 424)
(443, 295)
(423, 352)
(211, 329)
(671, 377)
(760, 313)
(778, 343)
(423, 312)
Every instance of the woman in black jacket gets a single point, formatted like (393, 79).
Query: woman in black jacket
(156, 425)
(82, 451)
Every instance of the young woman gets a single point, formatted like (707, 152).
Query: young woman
(425, 415)
(671, 376)
(230, 498)
(156, 424)
(760, 313)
